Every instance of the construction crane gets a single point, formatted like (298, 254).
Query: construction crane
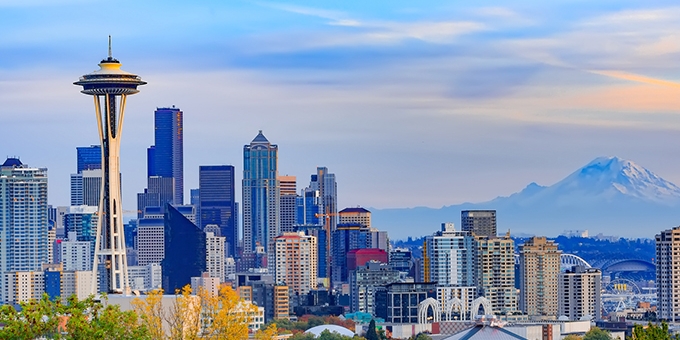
(327, 227)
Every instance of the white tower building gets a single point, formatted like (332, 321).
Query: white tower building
(110, 87)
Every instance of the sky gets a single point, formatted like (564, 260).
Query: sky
(409, 103)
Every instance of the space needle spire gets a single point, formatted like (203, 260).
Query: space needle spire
(110, 87)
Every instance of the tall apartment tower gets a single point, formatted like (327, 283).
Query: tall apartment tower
(215, 256)
(296, 261)
(479, 222)
(580, 293)
(216, 202)
(261, 194)
(324, 182)
(23, 217)
(539, 268)
(287, 203)
(166, 157)
(495, 272)
(667, 282)
(448, 257)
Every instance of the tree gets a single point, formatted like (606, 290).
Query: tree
(597, 334)
(653, 332)
(151, 312)
(86, 319)
(225, 315)
(572, 337)
(372, 333)
(268, 333)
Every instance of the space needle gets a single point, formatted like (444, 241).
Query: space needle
(110, 86)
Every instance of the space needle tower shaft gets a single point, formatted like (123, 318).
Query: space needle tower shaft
(110, 87)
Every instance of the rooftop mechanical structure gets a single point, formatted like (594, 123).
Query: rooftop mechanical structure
(110, 86)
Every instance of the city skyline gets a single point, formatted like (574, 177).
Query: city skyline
(464, 103)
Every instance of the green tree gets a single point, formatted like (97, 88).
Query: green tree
(597, 334)
(572, 337)
(653, 332)
(302, 336)
(86, 319)
(372, 333)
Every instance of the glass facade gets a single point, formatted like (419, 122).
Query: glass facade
(167, 154)
(185, 250)
(216, 202)
(261, 195)
(89, 158)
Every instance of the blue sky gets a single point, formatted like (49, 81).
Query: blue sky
(424, 103)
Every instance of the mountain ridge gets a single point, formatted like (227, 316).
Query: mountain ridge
(608, 195)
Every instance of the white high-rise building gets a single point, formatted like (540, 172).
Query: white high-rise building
(150, 241)
(146, 278)
(580, 293)
(23, 217)
(215, 255)
(76, 255)
(448, 257)
(667, 281)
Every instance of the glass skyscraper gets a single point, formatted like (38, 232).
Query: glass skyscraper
(216, 203)
(185, 251)
(166, 157)
(261, 191)
(324, 182)
(89, 157)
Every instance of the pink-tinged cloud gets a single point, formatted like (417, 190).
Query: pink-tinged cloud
(636, 78)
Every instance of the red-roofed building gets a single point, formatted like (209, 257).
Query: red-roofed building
(358, 257)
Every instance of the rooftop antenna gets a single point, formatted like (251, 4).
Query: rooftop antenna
(110, 47)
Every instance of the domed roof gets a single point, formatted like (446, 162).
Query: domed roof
(331, 328)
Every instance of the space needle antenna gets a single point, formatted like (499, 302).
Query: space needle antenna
(110, 56)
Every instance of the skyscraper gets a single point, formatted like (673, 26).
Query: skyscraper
(185, 250)
(86, 187)
(495, 272)
(89, 158)
(23, 217)
(296, 262)
(261, 194)
(110, 87)
(324, 182)
(667, 281)
(448, 257)
(216, 202)
(479, 222)
(580, 293)
(288, 203)
(539, 268)
(166, 157)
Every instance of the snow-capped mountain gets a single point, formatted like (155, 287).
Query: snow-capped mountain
(609, 195)
(605, 179)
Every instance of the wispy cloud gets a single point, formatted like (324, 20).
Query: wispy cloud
(381, 31)
(635, 77)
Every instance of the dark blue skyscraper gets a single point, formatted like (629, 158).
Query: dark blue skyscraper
(89, 157)
(216, 201)
(166, 157)
(185, 253)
